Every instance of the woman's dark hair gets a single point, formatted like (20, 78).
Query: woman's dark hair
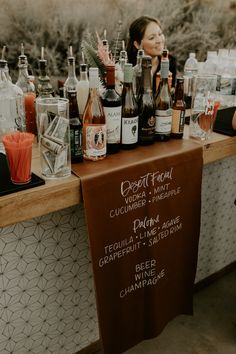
(136, 33)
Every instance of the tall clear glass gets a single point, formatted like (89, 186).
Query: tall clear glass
(204, 105)
(54, 136)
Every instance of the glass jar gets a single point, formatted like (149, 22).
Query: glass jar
(54, 136)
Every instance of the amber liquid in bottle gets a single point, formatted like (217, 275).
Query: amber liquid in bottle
(94, 122)
(178, 112)
(111, 102)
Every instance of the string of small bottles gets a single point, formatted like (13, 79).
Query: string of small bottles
(104, 121)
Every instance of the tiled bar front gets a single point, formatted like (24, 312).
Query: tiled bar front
(47, 299)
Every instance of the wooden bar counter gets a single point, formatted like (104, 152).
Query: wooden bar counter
(65, 192)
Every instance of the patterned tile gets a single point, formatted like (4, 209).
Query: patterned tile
(47, 300)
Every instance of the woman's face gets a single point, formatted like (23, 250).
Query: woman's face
(153, 40)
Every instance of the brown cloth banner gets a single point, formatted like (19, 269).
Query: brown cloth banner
(143, 215)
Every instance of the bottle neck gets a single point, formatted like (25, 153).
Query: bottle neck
(111, 77)
(146, 79)
(42, 69)
(164, 69)
(71, 68)
(83, 76)
(23, 73)
(179, 93)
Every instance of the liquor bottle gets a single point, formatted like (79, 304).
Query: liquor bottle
(129, 120)
(111, 102)
(163, 105)
(94, 122)
(137, 77)
(190, 69)
(19, 95)
(44, 88)
(70, 92)
(28, 89)
(178, 111)
(146, 131)
(82, 89)
(10, 118)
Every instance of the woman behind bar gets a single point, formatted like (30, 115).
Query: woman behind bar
(145, 32)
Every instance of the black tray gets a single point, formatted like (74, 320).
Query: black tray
(6, 185)
(223, 122)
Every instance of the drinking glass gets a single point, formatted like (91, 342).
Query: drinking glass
(204, 106)
(18, 147)
(54, 136)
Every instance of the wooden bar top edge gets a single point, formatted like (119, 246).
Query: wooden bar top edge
(65, 192)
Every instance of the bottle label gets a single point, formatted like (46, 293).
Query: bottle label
(76, 141)
(95, 139)
(226, 85)
(113, 122)
(163, 121)
(129, 133)
(177, 121)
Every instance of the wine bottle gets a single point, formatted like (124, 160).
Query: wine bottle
(146, 132)
(111, 102)
(178, 112)
(163, 105)
(70, 92)
(129, 120)
(94, 122)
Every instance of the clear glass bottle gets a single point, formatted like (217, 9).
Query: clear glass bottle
(20, 107)
(28, 89)
(190, 69)
(146, 132)
(70, 92)
(94, 122)
(44, 88)
(163, 105)
(11, 104)
(129, 120)
(178, 111)
(137, 77)
(82, 89)
(111, 102)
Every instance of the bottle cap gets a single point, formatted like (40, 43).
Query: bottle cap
(140, 53)
(180, 79)
(83, 67)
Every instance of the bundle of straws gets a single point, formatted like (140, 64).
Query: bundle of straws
(18, 147)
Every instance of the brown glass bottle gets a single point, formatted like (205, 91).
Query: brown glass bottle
(178, 111)
(147, 120)
(129, 120)
(111, 102)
